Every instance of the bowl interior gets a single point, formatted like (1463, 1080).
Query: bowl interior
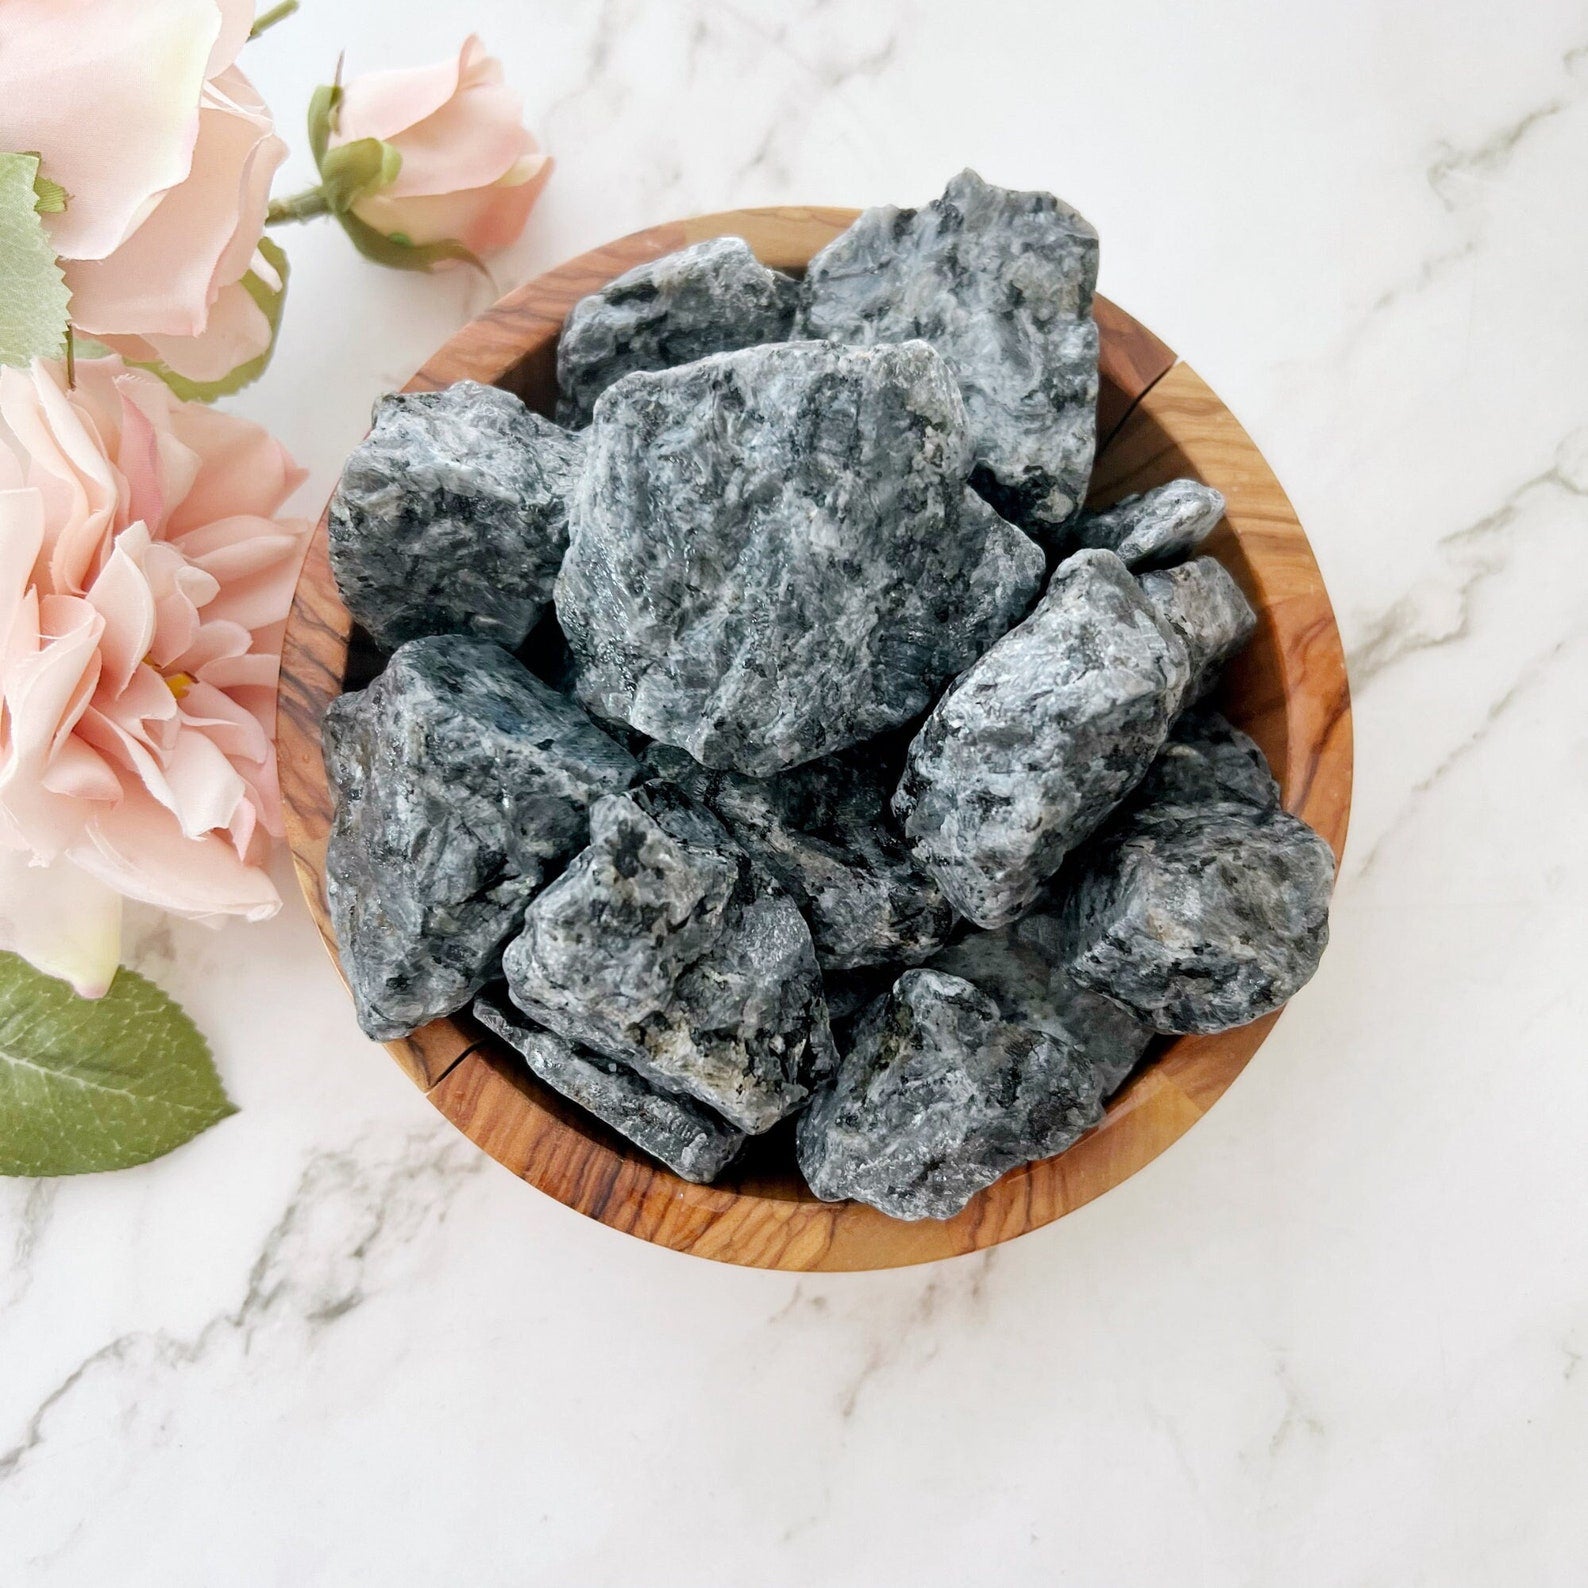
(1156, 421)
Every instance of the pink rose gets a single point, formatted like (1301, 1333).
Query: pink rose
(166, 153)
(469, 172)
(144, 586)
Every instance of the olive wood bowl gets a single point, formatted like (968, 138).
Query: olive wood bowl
(1156, 420)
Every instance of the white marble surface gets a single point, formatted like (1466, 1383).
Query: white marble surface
(1336, 1336)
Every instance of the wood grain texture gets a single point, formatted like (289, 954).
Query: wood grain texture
(1158, 420)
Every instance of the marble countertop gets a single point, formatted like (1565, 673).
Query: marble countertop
(1337, 1337)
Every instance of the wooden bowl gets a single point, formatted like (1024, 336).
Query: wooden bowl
(1157, 420)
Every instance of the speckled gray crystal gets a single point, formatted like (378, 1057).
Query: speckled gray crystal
(1206, 760)
(712, 297)
(1153, 528)
(1000, 283)
(451, 516)
(665, 947)
(459, 780)
(1200, 917)
(824, 832)
(1023, 969)
(692, 1141)
(936, 1097)
(1202, 603)
(1035, 745)
(773, 555)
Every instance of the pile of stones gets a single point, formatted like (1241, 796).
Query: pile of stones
(775, 737)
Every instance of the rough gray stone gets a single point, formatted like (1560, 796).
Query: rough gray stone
(1023, 969)
(1035, 745)
(1000, 283)
(824, 832)
(712, 297)
(665, 947)
(1152, 528)
(451, 516)
(1206, 761)
(692, 1141)
(937, 1097)
(460, 780)
(1203, 604)
(1200, 917)
(773, 556)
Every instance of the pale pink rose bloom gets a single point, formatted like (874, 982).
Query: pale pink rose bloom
(145, 579)
(167, 154)
(470, 171)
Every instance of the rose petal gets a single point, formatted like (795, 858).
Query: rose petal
(382, 104)
(61, 921)
(482, 219)
(108, 94)
(137, 849)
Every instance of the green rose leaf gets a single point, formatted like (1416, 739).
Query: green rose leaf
(270, 296)
(97, 1083)
(33, 296)
(352, 171)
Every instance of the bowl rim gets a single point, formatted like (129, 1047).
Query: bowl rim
(1156, 419)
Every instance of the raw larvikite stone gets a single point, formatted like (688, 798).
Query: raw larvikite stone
(713, 297)
(460, 781)
(692, 1141)
(773, 555)
(823, 831)
(1206, 760)
(1000, 283)
(451, 516)
(1199, 917)
(1202, 603)
(1023, 969)
(1036, 744)
(665, 947)
(1153, 528)
(936, 1097)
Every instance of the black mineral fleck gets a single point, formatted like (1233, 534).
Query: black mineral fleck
(712, 297)
(460, 781)
(1153, 528)
(1000, 283)
(773, 555)
(936, 1097)
(664, 946)
(1034, 746)
(1200, 917)
(1203, 604)
(824, 832)
(451, 516)
(692, 1141)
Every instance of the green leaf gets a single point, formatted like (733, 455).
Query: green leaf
(34, 302)
(49, 198)
(269, 298)
(97, 1083)
(324, 103)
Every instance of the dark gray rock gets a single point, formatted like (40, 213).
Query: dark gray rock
(451, 516)
(773, 556)
(824, 832)
(1036, 744)
(937, 1097)
(1206, 761)
(712, 297)
(1152, 528)
(1023, 969)
(665, 947)
(1200, 917)
(1000, 283)
(692, 1141)
(1203, 604)
(460, 780)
